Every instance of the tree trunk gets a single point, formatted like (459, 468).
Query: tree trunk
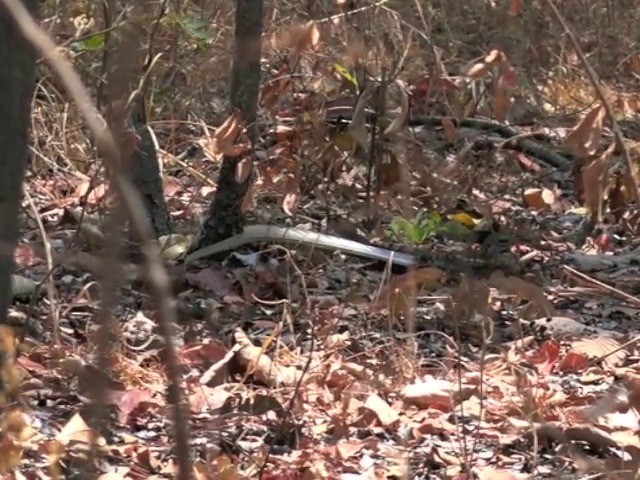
(145, 173)
(17, 83)
(225, 218)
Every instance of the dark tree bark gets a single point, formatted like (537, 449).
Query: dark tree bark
(17, 83)
(224, 218)
(145, 173)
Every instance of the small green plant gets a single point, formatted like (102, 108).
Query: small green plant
(424, 227)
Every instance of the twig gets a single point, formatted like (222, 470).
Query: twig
(603, 286)
(54, 316)
(332, 18)
(157, 275)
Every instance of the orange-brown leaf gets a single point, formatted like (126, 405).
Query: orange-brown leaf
(585, 137)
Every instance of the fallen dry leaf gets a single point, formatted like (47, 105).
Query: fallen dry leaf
(261, 366)
(75, 430)
(584, 139)
(539, 198)
(431, 392)
(382, 410)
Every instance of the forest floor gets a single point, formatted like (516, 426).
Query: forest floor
(509, 352)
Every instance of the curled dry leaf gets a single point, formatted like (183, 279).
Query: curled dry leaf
(585, 136)
(545, 357)
(290, 202)
(502, 87)
(386, 415)
(595, 179)
(261, 366)
(223, 139)
(539, 198)
(431, 392)
(573, 361)
(478, 70)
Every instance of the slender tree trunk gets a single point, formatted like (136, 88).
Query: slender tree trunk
(144, 168)
(17, 83)
(225, 218)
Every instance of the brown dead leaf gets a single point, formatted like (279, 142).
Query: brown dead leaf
(290, 202)
(76, 430)
(539, 198)
(386, 415)
(595, 178)
(224, 469)
(585, 137)
(489, 473)
(261, 366)
(274, 88)
(545, 357)
(478, 70)
(14, 432)
(430, 392)
(197, 354)
(396, 296)
(208, 399)
(502, 87)
(634, 63)
(515, 8)
(602, 347)
(223, 139)
(348, 448)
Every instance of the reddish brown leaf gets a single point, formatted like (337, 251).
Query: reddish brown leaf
(573, 362)
(546, 357)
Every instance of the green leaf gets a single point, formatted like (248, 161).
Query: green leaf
(94, 42)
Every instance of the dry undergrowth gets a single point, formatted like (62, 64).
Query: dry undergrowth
(339, 376)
